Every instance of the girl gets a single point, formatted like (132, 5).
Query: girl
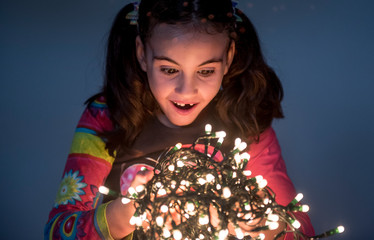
(172, 66)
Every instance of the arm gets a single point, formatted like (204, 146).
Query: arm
(77, 213)
(266, 160)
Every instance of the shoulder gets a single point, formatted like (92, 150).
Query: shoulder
(96, 115)
(267, 143)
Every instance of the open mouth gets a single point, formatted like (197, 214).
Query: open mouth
(183, 106)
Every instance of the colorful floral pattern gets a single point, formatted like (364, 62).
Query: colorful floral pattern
(70, 188)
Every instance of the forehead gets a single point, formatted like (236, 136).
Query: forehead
(166, 38)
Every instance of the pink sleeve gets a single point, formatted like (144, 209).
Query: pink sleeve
(266, 160)
(77, 212)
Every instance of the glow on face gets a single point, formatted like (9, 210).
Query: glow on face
(185, 70)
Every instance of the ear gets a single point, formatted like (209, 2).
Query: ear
(230, 56)
(140, 53)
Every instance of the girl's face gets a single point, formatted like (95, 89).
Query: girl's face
(185, 70)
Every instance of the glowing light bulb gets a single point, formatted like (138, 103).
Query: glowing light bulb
(305, 208)
(263, 183)
(237, 142)
(166, 233)
(125, 200)
(296, 224)
(178, 145)
(273, 225)
(160, 221)
(201, 236)
(131, 191)
(218, 186)
(162, 192)
(220, 140)
(247, 173)
(242, 146)
(208, 129)
(299, 197)
(158, 184)
(273, 217)
(201, 181)
(245, 156)
(340, 229)
(133, 220)
(239, 233)
(180, 163)
(223, 234)
(190, 206)
(164, 208)
(210, 177)
(221, 134)
(204, 219)
(177, 234)
(226, 192)
(261, 236)
(140, 188)
(259, 178)
(171, 168)
(104, 190)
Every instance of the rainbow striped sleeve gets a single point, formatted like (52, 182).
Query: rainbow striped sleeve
(77, 213)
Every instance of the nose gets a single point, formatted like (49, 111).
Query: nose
(186, 85)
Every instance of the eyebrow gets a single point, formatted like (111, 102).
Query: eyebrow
(213, 60)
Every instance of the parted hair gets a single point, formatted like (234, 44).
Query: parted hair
(251, 91)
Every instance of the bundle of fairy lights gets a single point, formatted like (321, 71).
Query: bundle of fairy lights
(193, 196)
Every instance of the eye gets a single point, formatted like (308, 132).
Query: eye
(206, 72)
(169, 71)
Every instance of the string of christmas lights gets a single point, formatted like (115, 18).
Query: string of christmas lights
(193, 196)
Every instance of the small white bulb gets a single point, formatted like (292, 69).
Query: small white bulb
(247, 173)
(132, 220)
(177, 234)
(201, 236)
(178, 145)
(259, 178)
(208, 128)
(220, 140)
(242, 146)
(273, 225)
(341, 229)
(226, 192)
(223, 234)
(237, 158)
(160, 221)
(201, 181)
(158, 184)
(104, 190)
(140, 188)
(162, 192)
(237, 142)
(239, 233)
(171, 168)
(210, 177)
(305, 208)
(190, 206)
(261, 236)
(125, 200)
(218, 186)
(131, 190)
(263, 183)
(204, 219)
(296, 224)
(273, 217)
(299, 197)
(166, 233)
(164, 208)
(180, 163)
(221, 134)
(245, 156)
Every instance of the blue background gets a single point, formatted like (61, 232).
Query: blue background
(51, 58)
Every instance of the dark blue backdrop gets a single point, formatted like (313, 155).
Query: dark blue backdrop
(52, 60)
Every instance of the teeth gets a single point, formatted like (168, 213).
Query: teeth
(182, 104)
